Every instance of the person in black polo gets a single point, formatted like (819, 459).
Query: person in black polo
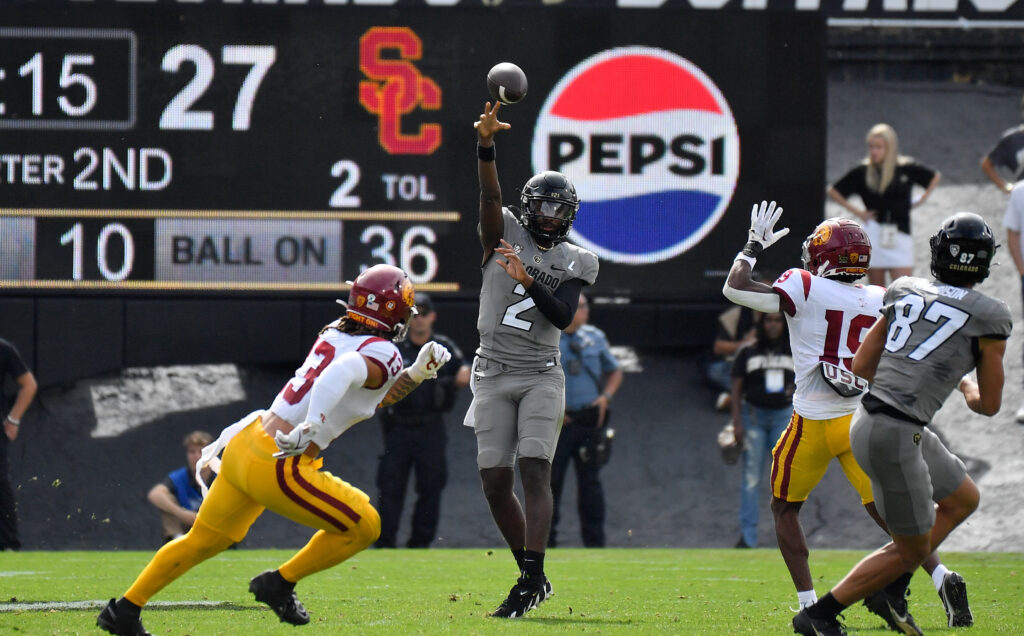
(415, 437)
(13, 367)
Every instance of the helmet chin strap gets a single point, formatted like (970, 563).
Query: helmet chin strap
(821, 269)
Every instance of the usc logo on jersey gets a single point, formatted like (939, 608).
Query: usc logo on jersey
(396, 87)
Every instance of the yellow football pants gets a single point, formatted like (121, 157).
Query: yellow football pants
(250, 481)
(803, 453)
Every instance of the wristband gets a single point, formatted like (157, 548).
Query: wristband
(13, 421)
(486, 153)
(606, 397)
(753, 249)
(750, 260)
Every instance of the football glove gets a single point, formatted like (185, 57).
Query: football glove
(762, 233)
(295, 442)
(429, 360)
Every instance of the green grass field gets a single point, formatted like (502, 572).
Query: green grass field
(451, 591)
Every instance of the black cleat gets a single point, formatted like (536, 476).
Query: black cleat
(894, 610)
(273, 590)
(525, 595)
(120, 624)
(545, 591)
(954, 598)
(804, 624)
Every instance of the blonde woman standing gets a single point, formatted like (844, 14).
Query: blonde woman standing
(885, 181)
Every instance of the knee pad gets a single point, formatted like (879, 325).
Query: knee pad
(494, 459)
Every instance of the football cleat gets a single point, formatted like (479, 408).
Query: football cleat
(894, 610)
(120, 624)
(804, 624)
(954, 599)
(273, 590)
(545, 592)
(523, 597)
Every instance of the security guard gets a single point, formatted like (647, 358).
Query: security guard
(415, 437)
(592, 376)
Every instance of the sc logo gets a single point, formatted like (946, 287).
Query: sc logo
(396, 87)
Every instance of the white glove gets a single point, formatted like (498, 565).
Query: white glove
(429, 360)
(762, 224)
(294, 443)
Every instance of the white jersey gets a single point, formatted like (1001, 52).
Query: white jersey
(292, 403)
(827, 320)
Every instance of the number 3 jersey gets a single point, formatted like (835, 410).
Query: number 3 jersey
(932, 341)
(512, 329)
(356, 405)
(827, 320)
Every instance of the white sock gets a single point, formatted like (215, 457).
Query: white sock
(937, 576)
(806, 598)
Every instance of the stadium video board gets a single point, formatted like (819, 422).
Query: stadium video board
(220, 149)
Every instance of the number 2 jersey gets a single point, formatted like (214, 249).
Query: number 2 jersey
(356, 405)
(932, 341)
(512, 329)
(827, 320)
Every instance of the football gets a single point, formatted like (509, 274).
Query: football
(506, 83)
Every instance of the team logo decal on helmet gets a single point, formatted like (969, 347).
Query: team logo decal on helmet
(822, 234)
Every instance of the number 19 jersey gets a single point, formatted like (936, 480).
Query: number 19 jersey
(827, 321)
(512, 330)
(931, 340)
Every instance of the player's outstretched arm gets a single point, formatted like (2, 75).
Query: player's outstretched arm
(740, 287)
(429, 360)
(492, 226)
(986, 395)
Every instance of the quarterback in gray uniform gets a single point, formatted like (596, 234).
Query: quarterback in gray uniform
(930, 335)
(531, 287)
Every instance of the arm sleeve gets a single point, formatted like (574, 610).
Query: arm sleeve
(996, 320)
(1002, 154)
(169, 484)
(1014, 210)
(920, 174)
(739, 365)
(343, 373)
(850, 183)
(793, 288)
(608, 361)
(15, 366)
(560, 306)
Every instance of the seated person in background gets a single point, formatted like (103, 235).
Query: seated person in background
(177, 497)
(735, 329)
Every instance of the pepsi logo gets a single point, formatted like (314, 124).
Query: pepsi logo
(650, 144)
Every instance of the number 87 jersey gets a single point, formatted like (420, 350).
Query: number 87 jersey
(931, 342)
(827, 321)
